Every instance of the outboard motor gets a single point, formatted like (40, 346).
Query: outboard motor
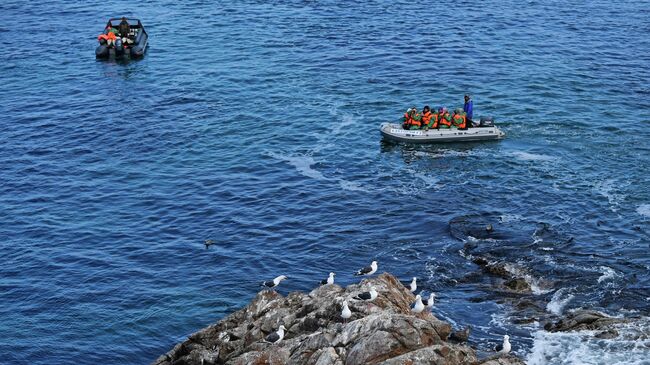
(119, 47)
(487, 122)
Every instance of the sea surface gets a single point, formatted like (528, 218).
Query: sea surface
(255, 124)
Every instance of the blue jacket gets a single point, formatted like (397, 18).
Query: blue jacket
(467, 108)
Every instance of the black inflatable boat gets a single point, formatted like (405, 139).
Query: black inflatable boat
(133, 44)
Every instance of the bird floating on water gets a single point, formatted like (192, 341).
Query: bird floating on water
(429, 302)
(329, 280)
(346, 313)
(276, 336)
(368, 270)
(208, 243)
(505, 347)
(275, 282)
(418, 306)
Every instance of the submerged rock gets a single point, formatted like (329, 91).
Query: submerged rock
(502, 360)
(382, 332)
(583, 319)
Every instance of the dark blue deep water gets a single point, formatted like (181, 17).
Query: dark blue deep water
(255, 124)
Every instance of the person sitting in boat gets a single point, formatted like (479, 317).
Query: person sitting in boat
(444, 120)
(429, 120)
(109, 36)
(125, 31)
(412, 119)
(459, 120)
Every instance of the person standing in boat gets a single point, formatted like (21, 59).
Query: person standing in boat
(125, 31)
(468, 108)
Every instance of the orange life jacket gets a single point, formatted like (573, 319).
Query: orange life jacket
(426, 117)
(436, 120)
(407, 120)
(445, 119)
(109, 36)
(410, 122)
(460, 120)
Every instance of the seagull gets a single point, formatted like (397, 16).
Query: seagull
(277, 336)
(414, 285)
(505, 348)
(329, 280)
(429, 302)
(275, 282)
(418, 306)
(346, 313)
(368, 296)
(368, 270)
(208, 243)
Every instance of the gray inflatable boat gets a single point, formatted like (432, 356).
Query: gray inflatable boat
(394, 132)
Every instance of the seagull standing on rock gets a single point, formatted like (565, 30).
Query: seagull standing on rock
(275, 282)
(368, 270)
(367, 296)
(277, 336)
(329, 280)
(414, 285)
(418, 306)
(429, 302)
(346, 313)
(505, 347)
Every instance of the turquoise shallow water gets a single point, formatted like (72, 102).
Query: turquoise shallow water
(256, 124)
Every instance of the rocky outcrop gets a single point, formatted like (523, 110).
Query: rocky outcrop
(581, 320)
(384, 332)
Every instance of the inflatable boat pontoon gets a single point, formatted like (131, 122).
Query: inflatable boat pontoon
(394, 132)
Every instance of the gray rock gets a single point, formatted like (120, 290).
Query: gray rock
(502, 360)
(583, 320)
(383, 332)
(460, 335)
(607, 335)
(518, 284)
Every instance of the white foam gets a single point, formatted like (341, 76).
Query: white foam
(351, 186)
(506, 218)
(429, 181)
(536, 284)
(302, 163)
(644, 210)
(559, 301)
(610, 189)
(526, 156)
(572, 348)
(608, 273)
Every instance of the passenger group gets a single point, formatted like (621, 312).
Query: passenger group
(110, 34)
(428, 119)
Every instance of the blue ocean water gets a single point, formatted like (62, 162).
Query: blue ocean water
(255, 124)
